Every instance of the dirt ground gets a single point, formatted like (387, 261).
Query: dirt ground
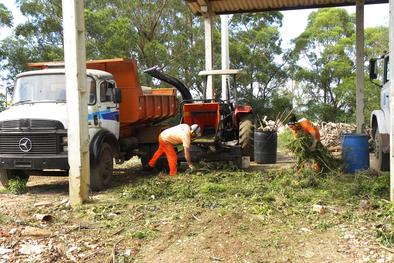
(204, 235)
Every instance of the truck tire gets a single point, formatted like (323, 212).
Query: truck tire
(161, 164)
(246, 135)
(102, 170)
(6, 175)
(383, 159)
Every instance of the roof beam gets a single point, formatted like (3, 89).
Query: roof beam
(220, 7)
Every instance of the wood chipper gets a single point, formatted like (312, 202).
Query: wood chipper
(227, 128)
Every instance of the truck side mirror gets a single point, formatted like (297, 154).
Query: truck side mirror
(117, 96)
(373, 72)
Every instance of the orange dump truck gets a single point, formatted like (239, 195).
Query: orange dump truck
(124, 120)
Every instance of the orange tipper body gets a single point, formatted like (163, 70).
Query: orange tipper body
(138, 105)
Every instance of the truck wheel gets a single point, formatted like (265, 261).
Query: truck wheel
(161, 164)
(383, 159)
(246, 135)
(101, 173)
(6, 175)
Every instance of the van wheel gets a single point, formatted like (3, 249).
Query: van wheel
(6, 175)
(383, 159)
(102, 170)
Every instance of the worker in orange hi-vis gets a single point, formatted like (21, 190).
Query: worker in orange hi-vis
(180, 134)
(305, 126)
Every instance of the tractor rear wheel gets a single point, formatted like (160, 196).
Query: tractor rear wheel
(246, 135)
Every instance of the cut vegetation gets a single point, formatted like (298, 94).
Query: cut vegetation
(217, 213)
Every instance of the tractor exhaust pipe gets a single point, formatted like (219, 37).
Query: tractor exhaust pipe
(156, 73)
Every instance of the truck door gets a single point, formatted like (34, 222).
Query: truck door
(108, 109)
(385, 92)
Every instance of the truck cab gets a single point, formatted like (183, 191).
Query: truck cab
(380, 119)
(33, 130)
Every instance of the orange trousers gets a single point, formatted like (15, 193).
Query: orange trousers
(168, 149)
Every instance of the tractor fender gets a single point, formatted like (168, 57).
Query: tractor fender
(98, 139)
(239, 110)
(379, 121)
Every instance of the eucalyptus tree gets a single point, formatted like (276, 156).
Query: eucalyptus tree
(5, 16)
(255, 48)
(327, 71)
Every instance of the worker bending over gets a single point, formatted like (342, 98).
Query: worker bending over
(180, 134)
(305, 126)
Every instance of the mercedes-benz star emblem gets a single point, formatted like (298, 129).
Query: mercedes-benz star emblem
(25, 144)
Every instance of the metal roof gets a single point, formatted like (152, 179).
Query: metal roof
(249, 6)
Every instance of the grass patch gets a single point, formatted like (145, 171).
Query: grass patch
(284, 138)
(17, 186)
(4, 219)
(269, 197)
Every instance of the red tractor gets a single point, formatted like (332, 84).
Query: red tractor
(227, 128)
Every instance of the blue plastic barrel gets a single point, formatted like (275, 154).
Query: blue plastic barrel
(355, 152)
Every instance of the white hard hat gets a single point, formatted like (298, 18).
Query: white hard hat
(196, 130)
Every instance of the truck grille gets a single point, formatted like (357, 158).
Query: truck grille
(28, 143)
(34, 124)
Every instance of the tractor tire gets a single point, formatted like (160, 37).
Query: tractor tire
(382, 159)
(246, 135)
(102, 171)
(6, 175)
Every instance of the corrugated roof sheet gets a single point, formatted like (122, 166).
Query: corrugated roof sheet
(247, 6)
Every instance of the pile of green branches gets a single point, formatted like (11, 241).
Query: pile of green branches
(301, 148)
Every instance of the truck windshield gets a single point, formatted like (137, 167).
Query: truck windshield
(46, 88)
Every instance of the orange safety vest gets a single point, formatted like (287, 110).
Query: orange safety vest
(307, 127)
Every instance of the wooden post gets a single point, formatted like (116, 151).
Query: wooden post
(360, 65)
(391, 69)
(77, 109)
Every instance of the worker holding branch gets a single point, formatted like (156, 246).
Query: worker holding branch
(305, 152)
(306, 127)
(180, 134)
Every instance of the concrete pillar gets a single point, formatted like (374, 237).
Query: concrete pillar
(391, 69)
(77, 109)
(360, 65)
(225, 53)
(209, 54)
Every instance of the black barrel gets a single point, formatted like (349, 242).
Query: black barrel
(265, 146)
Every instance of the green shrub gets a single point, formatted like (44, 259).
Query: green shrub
(17, 186)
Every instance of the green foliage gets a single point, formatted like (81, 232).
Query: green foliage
(165, 33)
(5, 16)
(17, 186)
(328, 76)
(300, 147)
(4, 218)
(284, 138)
(254, 47)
